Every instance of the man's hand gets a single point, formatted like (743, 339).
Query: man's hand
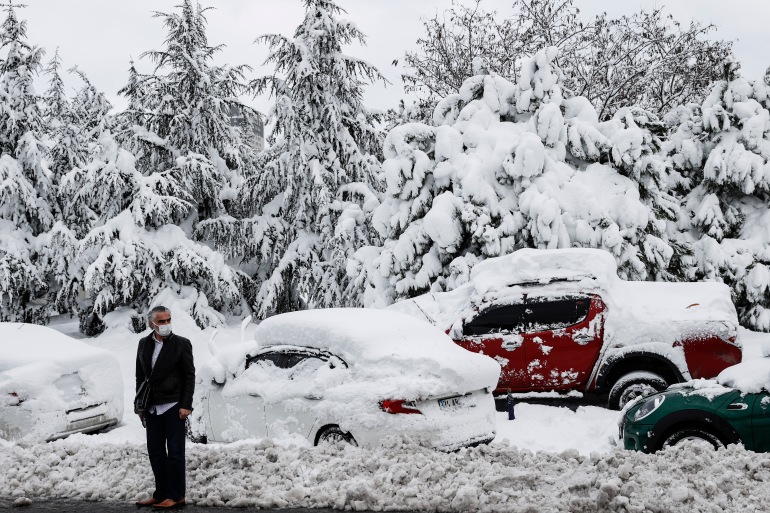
(183, 414)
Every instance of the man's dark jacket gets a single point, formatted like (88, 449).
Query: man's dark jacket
(173, 378)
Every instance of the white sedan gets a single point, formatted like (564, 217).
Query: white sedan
(52, 385)
(356, 375)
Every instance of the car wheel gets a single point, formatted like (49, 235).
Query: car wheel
(334, 435)
(696, 434)
(633, 385)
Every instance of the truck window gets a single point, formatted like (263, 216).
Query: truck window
(554, 314)
(496, 319)
(534, 315)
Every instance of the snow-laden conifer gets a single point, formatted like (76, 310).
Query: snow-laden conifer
(306, 207)
(168, 162)
(131, 205)
(128, 245)
(179, 116)
(27, 196)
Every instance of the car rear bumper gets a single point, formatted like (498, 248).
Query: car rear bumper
(86, 420)
(87, 425)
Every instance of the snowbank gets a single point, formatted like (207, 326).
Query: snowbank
(403, 476)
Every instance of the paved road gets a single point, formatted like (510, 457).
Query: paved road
(67, 506)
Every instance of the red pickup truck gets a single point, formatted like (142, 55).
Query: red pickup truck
(562, 320)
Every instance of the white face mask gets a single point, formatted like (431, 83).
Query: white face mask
(164, 330)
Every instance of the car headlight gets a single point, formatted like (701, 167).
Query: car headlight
(649, 406)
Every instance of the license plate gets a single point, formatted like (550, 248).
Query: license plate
(450, 403)
(84, 423)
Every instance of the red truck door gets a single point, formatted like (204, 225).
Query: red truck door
(563, 337)
(494, 332)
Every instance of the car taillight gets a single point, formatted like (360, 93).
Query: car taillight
(395, 406)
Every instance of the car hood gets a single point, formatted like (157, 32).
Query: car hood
(749, 377)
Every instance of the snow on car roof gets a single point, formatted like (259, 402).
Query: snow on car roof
(378, 344)
(591, 267)
(23, 344)
(506, 279)
(358, 334)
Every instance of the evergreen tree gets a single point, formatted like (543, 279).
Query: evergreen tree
(132, 208)
(179, 117)
(27, 196)
(67, 138)
(129, 248)
(306, 208)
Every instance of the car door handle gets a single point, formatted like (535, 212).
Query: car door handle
(510, 345)
(582, 338)
(737, 406)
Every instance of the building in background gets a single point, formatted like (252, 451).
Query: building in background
(251, 125)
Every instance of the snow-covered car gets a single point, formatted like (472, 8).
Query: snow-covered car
(562, 320)
(733, 408)
(52, 385)
(356, 375)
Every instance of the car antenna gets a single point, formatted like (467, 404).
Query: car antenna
(244, 323)
(431, 319)
(212, 346)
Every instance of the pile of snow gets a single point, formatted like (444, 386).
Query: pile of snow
(401, 476)
(750, 377)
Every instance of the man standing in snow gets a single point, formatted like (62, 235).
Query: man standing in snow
(167, 360)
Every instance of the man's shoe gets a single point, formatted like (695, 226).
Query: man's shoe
(147, 502)
(169, 504)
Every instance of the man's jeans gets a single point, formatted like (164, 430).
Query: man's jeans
(167, 431)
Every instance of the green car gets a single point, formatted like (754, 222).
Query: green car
(734, 408)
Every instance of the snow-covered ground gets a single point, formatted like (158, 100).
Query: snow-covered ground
(547, 459)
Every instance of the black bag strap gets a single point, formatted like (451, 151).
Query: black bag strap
(147, 375)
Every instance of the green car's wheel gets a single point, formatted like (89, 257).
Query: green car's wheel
(695, 434)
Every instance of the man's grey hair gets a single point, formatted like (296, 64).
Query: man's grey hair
(156, 309)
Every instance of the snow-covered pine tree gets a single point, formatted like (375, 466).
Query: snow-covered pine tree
(721, 153)
(27, 196)
(507, 166)
(55, 102)
(67, 137)
(130, 246)
(306, 207)
(179, 117)
(90, 110)
(132, 208)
